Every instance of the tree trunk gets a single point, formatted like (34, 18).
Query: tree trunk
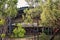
(9, 25)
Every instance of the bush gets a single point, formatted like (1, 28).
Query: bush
(2, 21)
(19, 31)
(43, 36)
(3, 35)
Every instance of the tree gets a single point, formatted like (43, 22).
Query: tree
(35, 11)
(31, 14)
(8, 10)
(28, 18)
(51, 14)
(43, 36)
(11, 12)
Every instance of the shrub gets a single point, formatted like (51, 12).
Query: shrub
(43, 36)
(3, 35)
(2, 21)
(19, 31)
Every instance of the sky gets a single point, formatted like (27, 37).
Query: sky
(22, 3)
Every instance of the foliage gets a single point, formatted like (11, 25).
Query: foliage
(19, 31)
(50, 13)
(31, 14)
(11, 9)
(8, 8)
(43, 36)
(28, 18)
(2, 21)
(3, 35)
